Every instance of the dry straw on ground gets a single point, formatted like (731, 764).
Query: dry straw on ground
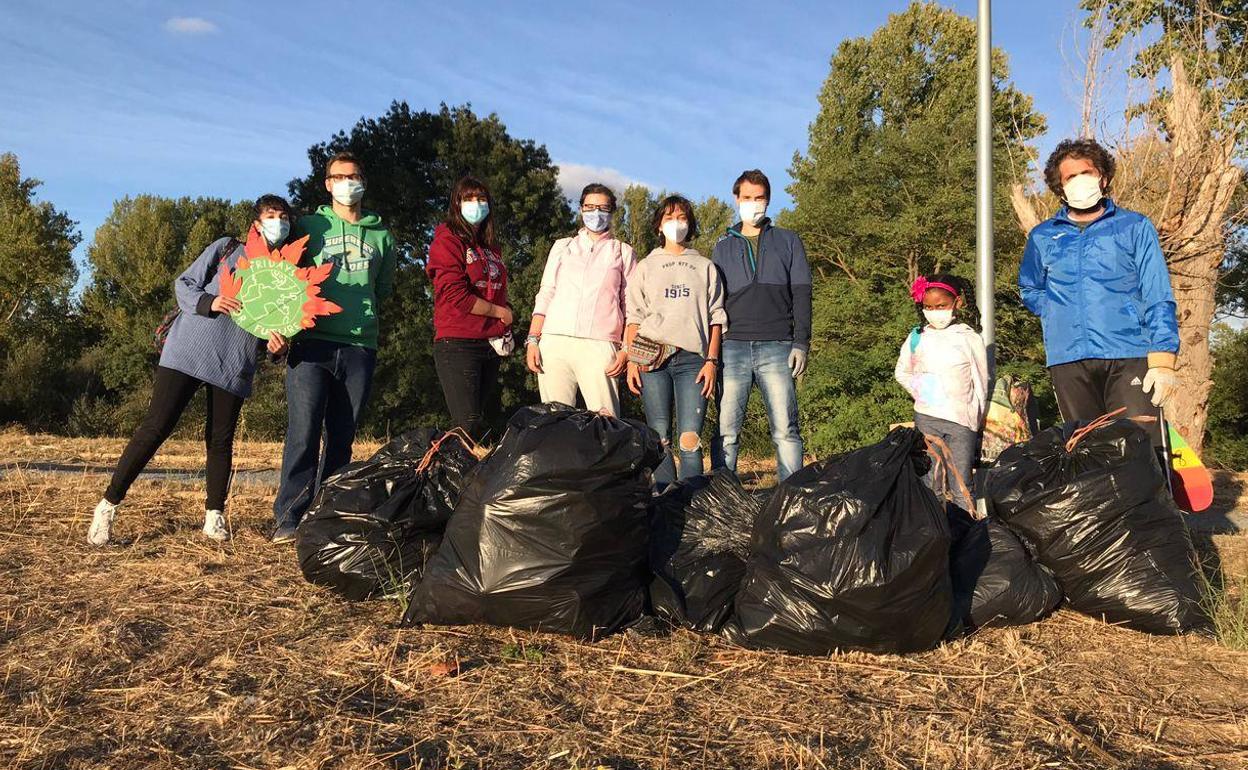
(167, 651)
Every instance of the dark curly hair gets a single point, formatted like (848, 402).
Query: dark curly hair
(1086, 149)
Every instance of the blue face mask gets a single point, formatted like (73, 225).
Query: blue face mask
(474, 211)
(596, 221)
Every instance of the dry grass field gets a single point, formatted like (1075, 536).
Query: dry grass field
(168, 651)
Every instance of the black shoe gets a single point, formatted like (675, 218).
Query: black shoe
(284, 534)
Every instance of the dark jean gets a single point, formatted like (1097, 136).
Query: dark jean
(468, 373)
(171, 393)
(963, 444)
(767, 364)
(327, 387)
(675, 380)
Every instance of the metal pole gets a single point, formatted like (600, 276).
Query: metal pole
(983, 186)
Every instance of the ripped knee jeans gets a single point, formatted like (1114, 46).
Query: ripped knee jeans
(673, 399)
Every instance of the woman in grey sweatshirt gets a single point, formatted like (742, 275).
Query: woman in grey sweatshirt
(675, 298)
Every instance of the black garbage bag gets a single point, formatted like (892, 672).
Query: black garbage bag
(551, 531)
(850, 553)
(374, 524)
(1100, 518)
(995, 580)
(699, 540)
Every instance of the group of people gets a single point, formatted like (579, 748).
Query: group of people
(679, 328)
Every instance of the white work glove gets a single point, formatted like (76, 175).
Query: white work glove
(797, 361)
(1161, 381)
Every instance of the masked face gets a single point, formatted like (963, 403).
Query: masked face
(1083, 191)
(675, 230)
(938, 319)
(275, 229)
(474, 210)
(752, 212)
(347, 192)
(596, 221)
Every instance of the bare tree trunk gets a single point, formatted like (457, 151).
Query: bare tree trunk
(1203, 179)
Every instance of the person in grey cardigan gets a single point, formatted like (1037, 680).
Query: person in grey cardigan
(205, 348)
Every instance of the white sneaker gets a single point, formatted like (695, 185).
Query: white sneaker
(214, 526)
(102, 523)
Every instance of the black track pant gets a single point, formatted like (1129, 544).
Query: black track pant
(1092, 387)
(171, 392)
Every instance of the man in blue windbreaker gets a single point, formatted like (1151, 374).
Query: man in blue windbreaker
(1095, 275)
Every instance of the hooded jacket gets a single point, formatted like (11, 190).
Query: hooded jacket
(1102, 292)
(767, 295)
(461, 274)
(362, 254)
(945, 371)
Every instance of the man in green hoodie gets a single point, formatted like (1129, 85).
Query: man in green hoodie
(330, 366)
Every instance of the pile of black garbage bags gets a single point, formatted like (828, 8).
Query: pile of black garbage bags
(557, 529)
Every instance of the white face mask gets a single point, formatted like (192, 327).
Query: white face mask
(474, 211)
(675, 230)
(938, 319)
(275, 229)
(596, 221)
(1083, 191)
(347, 192)
(752, 212)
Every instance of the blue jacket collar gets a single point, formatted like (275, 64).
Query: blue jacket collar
(1063, 214)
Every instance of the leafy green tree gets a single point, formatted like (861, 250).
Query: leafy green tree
(40, 332)
(886, 192)
(1227, 440)
(412, 159)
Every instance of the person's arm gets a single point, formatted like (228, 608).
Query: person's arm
(979, 376)
(800, 287)
(191, 287)
(709, 374)
(636, 302)
(634, 371)
(1031, 277)
(1160, 322)
(903, 372)
(620, 363)
(550, 282)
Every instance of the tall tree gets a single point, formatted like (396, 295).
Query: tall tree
(412, 159)
(886, 192)
(40, 335)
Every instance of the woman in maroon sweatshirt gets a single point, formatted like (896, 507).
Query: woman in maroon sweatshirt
(471, 317)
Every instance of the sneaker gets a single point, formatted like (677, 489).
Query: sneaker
(101, 530)
(215, 527)
(284, 534)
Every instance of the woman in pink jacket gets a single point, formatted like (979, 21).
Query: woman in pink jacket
(575, 338)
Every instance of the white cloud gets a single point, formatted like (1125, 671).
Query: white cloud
(574, 176)
(190, 25)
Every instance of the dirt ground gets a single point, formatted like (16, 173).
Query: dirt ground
(168, 651)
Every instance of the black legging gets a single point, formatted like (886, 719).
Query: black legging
(171, 392)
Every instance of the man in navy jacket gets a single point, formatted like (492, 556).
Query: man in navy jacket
(767, 281)
(1095, 275)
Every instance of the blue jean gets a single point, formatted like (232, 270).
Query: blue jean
(963, 444)
(676, 379)
(767, 363)
(327, 386)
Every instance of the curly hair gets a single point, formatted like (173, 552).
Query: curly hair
(1085, 149)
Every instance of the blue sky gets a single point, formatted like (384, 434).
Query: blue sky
(224, 98)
